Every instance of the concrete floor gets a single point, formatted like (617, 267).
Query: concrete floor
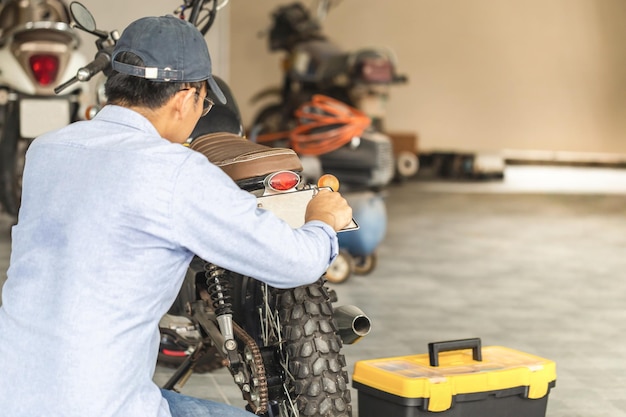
(534, 263)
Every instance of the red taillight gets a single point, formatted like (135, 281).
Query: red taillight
(45, 68)
(283, 180)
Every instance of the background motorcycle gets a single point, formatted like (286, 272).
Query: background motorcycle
(283, 347)
(363, 160)
(313, 64)
(37, 49)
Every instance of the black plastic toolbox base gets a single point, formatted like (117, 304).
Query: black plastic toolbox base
(511, 402)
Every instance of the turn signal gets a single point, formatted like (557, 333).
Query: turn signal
(45, 68)
(328, 180)
(91, 111)
(282, 180)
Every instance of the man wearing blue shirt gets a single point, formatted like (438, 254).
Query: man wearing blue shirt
(113, 210)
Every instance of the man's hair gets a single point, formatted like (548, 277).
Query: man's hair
(128, 90)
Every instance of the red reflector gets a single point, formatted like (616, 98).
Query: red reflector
(283, 180)
(45, 68)
(174, 352)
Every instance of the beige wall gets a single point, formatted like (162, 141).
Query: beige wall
(483, 74)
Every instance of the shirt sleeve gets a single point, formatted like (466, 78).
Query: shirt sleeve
(217, 221)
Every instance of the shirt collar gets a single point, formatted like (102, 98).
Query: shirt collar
(127, 117)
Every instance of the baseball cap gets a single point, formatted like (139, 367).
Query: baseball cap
(171, 48)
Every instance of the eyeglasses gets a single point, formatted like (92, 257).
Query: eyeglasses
(207, 103)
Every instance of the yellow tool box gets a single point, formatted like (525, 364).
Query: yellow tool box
(457, 378)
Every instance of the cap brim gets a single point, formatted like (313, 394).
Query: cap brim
(216, 90)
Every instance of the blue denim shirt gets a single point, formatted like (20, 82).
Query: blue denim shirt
(111, 216)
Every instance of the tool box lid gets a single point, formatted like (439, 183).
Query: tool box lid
(450, 369)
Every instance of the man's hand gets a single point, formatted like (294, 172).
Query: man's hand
(329, 207)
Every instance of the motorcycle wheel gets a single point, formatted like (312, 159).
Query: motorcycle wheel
(295, 329)
(11, 162)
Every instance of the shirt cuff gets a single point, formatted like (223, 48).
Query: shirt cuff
(334, 242)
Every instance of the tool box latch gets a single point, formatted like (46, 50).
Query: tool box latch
(440, 398)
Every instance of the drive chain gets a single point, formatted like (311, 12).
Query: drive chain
(261, 405)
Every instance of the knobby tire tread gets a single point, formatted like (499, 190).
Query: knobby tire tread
(313, 347)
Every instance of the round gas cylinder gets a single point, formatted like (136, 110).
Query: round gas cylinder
(368, 209)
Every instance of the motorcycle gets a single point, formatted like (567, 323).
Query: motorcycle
(312, 65)
(282, 346)
(322, 86)
(38, 47)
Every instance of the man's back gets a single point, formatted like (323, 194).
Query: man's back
(111, 215)
(94, 268)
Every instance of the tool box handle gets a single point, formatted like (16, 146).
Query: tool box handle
(436, 347)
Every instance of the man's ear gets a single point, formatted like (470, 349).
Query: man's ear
(183, 102)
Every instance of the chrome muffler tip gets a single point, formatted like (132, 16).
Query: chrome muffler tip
(352, 323)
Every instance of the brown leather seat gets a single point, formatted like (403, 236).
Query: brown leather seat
(242, 159)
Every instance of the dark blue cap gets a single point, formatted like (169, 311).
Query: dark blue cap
(172, 50)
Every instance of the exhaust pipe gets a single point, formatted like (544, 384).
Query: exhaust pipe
(352, 323)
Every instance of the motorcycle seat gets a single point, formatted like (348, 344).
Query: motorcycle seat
(242, 159)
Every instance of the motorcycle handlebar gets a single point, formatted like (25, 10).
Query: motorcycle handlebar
(100, 63)
(66, 84)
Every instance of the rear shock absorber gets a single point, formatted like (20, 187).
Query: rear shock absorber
(219, 291)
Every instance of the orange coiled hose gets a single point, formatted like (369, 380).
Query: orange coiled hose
(324, 124)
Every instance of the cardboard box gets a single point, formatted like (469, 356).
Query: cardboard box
(403, 142)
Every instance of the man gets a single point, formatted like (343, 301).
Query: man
(113, 210)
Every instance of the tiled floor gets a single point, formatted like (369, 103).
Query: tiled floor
(535, 263)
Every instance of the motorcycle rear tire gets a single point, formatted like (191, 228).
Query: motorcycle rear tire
(310, 349)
